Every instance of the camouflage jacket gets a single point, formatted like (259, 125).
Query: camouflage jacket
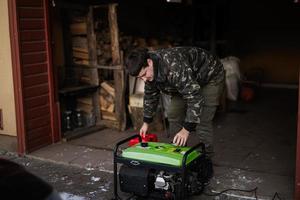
(181, 71)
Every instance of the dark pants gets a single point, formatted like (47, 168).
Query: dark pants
(177, 109)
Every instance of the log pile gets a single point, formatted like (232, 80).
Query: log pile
(107, 101)
(127, 43)
(78, 31)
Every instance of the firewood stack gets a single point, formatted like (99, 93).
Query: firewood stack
(78, 29)
(80, 56)
(107, 101)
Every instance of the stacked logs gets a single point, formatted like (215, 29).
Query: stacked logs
(107, 101)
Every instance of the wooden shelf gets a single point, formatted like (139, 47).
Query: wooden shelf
(83, 59)
(75, 90)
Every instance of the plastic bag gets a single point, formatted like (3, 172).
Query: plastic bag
(233, 76)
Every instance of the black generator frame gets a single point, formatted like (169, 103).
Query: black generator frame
(158, 166)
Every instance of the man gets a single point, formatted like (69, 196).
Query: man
(192, 77)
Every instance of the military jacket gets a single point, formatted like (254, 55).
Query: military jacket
(181, 71)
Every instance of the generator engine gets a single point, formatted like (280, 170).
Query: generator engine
(160, 178)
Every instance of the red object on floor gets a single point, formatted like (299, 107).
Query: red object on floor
(148, 138)
(247, 94)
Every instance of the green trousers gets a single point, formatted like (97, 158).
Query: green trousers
(177, 109)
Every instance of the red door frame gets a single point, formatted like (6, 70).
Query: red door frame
(297, 178)
(54, 107)
(16, 69)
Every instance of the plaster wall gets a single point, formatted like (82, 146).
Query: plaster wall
(7, 101)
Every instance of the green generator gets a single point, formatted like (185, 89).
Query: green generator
(154, 170)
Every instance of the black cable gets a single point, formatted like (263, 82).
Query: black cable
(232, 189)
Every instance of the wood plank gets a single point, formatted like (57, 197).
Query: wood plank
(30, 12)
(36, 91)
(108, 88)
(37, 123)
(118, 74)
(37, 133)
(81, 62)
(39, 143)
(92, 47)
(36, 101)
(80, 55)
(32, 35)
(32, 24)
(30, 3)
(85, 100)
(37, 112)
(82, 50)
(86, 80)
(27, 47)
(29, 81)
(108, 116)
(111, 108)
(33, 58)
(103, 102)
(91, 39)
(34, 69)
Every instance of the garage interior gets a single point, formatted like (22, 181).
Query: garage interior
(255, 136)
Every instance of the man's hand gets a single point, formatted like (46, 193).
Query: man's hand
(144, 129)
(181, 137)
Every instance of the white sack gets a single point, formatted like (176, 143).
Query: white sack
(233, 76)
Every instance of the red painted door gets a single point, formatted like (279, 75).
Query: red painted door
(37, 107)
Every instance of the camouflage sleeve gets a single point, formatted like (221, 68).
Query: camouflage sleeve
(151, 100)
(190, 89)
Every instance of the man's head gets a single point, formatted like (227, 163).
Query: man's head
(139, 64)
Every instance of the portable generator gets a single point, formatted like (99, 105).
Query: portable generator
(154, 170)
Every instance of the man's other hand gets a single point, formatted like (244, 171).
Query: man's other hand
(144, 129)
(181, 137)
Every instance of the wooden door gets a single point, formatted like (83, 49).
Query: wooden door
(36, 108)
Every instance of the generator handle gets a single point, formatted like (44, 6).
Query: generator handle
(124, 141)
(202, 145)
(183, 165)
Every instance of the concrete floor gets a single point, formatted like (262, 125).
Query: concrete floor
(255, 146)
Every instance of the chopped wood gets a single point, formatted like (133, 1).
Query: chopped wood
(107, 96)
(85, 79)
(106, 104)
(81, 62)
(111, 108)
(85, 100)
(103, 102)
(79, 49)
(108, 116)
(108, 88)
(80, 55)
(78, 28)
